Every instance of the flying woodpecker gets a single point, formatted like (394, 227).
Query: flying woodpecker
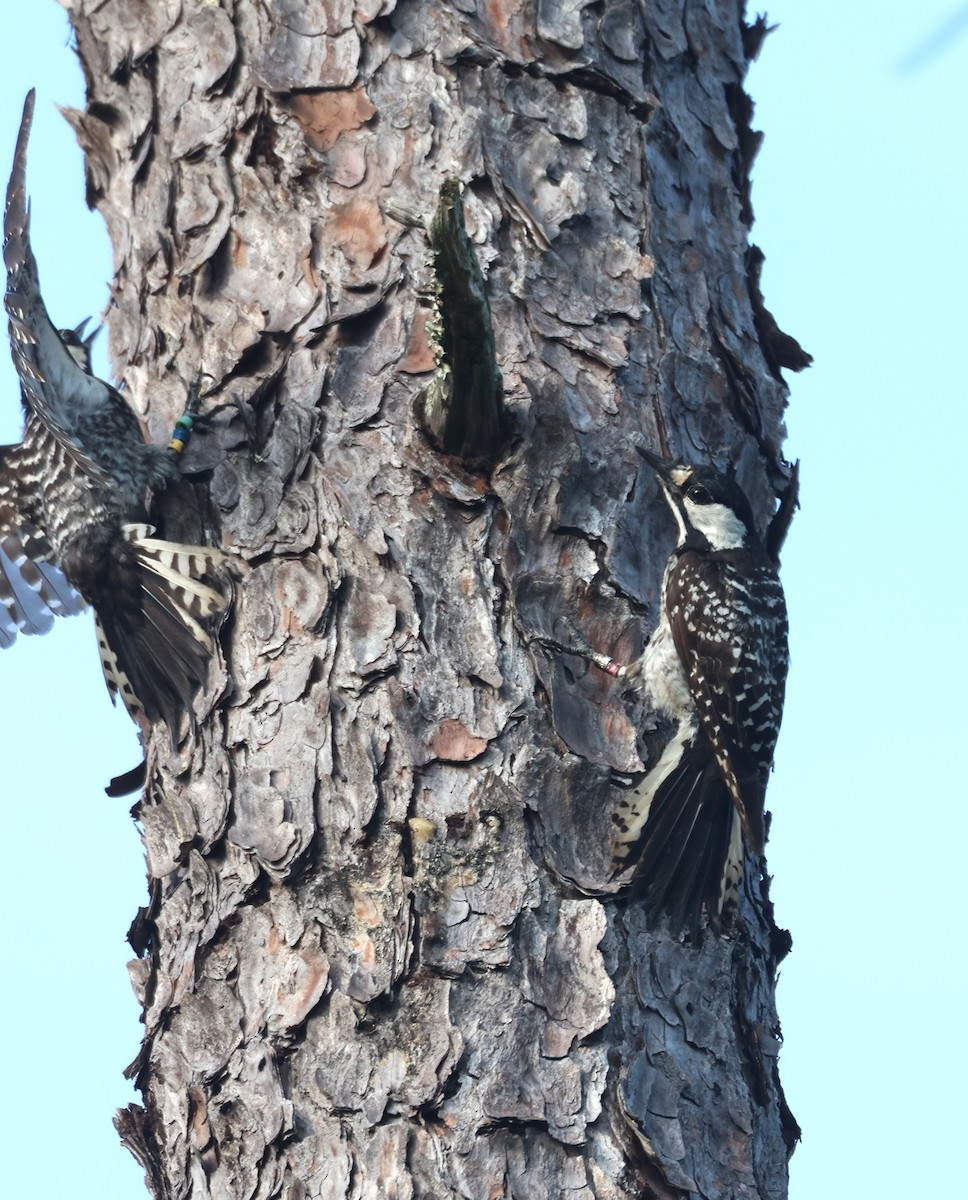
(74, 497)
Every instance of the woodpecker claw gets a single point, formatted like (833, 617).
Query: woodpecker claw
(191, 421)
(580, 647)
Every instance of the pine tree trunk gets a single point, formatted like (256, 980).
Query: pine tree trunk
(382, 954)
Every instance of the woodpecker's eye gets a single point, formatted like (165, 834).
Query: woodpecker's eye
(699, 494)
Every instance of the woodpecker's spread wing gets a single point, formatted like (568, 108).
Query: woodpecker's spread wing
(55, 388)
(32, 593)
(33, 589)
(729, 627)
(154, 617)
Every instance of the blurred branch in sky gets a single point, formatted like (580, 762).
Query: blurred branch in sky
(938, 42)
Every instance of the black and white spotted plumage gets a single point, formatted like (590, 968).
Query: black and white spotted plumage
(716, 667)
(73, 504)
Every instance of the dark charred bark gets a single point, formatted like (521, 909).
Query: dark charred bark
(382, 954)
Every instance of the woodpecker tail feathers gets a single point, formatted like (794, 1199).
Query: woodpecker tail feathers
(682, 827)
(155, 650)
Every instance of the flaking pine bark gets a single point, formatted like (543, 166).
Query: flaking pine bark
(383, 952)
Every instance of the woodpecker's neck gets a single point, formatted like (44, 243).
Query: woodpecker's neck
(718, 527)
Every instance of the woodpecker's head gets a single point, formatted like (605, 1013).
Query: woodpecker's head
(710, 508)
(79, 346)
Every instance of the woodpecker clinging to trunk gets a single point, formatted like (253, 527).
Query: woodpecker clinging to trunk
(716, 668)
(716, 665)
(73, 497)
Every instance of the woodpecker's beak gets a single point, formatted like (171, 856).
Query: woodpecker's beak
(659, 465)
(672, 476)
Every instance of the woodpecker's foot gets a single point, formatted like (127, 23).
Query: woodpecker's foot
(191, 421)
(579, 646)
(780, 525)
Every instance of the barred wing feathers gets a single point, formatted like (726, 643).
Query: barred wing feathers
(155, 637)
(33, 589)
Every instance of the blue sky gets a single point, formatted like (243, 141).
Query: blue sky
(859, 193)
(74, 873)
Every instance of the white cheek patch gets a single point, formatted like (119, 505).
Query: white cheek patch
(721, 526)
